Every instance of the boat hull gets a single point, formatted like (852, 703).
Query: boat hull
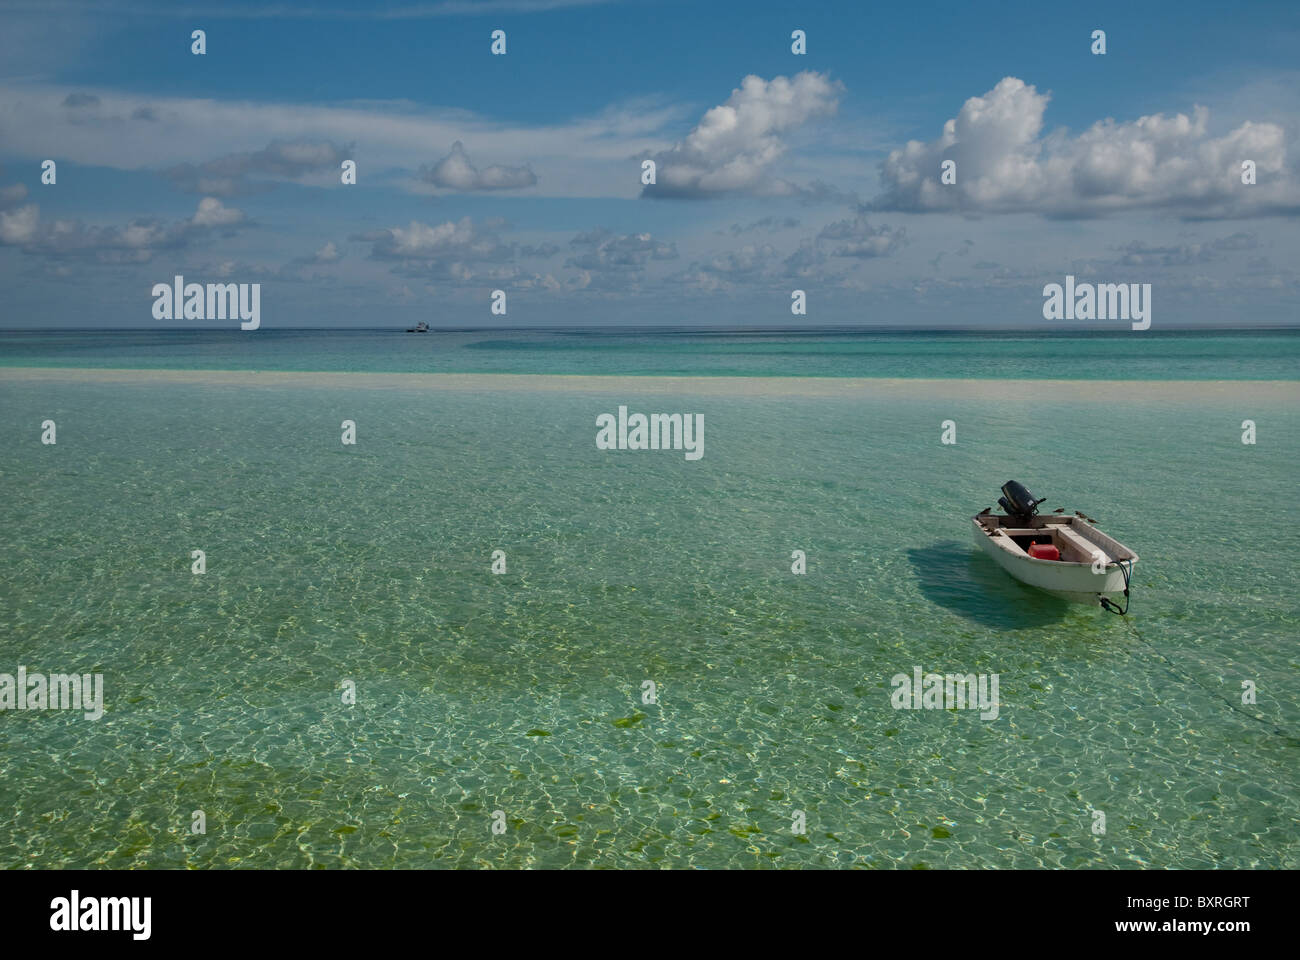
(1074, 581)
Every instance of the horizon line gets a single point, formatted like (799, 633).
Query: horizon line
(678, 328)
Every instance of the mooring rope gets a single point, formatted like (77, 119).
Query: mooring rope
(1173, 669)
(1110, 605)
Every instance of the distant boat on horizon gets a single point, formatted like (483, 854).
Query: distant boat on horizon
(421, 327)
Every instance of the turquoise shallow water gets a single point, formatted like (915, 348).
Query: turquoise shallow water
(521, 692)
(1110, 355)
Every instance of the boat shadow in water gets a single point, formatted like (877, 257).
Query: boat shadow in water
(959, 578)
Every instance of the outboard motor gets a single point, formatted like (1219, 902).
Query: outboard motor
(1017, 502)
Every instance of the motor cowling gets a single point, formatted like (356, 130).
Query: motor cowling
(1017, 502)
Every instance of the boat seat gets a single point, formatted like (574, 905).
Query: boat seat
(1083, 544)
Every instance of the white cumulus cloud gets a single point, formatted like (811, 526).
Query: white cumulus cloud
(456, 172)
(137, 242)
(733, 147)
(19, 226)
(1005, 164)
(213, 213)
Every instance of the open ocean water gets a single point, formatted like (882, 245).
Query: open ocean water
(1119, 355)
(522, 692)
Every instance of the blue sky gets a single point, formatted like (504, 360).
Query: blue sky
(775, 171)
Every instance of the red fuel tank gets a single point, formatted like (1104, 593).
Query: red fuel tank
(1044, 551)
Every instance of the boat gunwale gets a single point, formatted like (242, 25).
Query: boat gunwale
(1006, 543)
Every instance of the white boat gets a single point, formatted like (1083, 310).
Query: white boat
(1063, 554)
